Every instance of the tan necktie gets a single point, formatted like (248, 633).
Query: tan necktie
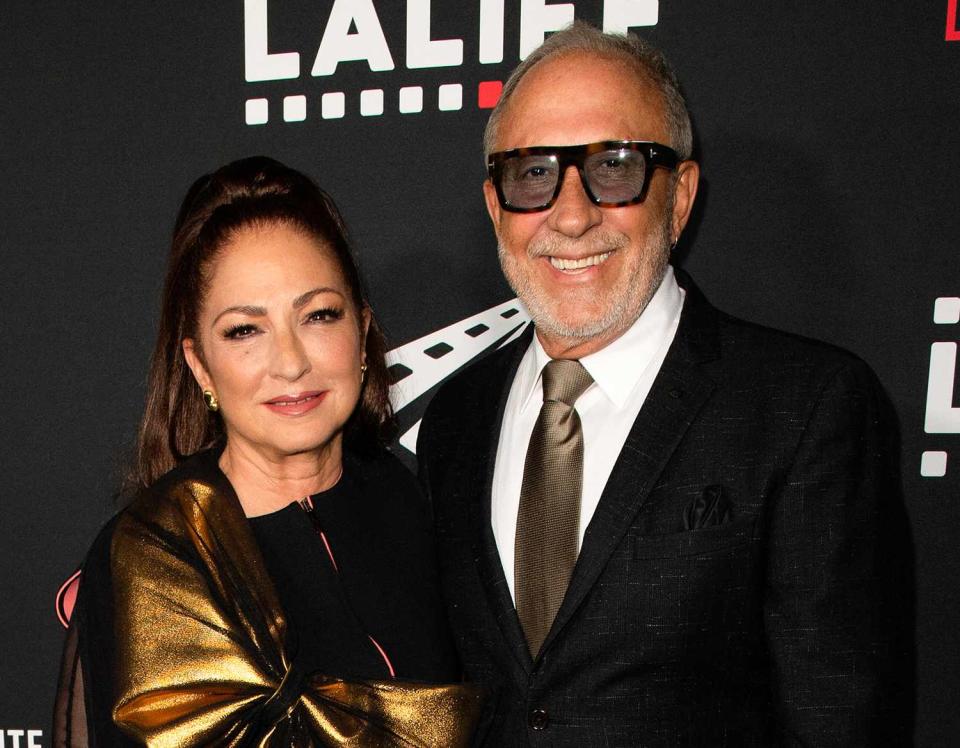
(548, 521)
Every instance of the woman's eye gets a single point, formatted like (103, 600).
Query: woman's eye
(240, 331)
(327, 314)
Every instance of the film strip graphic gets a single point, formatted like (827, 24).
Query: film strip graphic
(372, 102)
(420, 366)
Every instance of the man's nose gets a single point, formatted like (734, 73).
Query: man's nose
(289, 360)
(573, 214)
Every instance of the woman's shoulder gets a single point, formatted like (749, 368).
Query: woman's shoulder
(97, 559)
(151, 515)
(137, 503)
(196, 476)
(200, 468)
(92, 590)
(155, 507)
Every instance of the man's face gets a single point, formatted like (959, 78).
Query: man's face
(584, 272)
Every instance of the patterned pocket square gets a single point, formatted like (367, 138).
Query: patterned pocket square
(710, 509)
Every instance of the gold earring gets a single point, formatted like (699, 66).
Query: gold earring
(213, 405)
(363, 372)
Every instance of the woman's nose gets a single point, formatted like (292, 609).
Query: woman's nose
(290, 359)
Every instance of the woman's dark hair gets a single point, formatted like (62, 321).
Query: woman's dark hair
(254, 191)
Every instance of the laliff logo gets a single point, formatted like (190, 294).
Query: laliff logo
(353, 33)
(942, 417)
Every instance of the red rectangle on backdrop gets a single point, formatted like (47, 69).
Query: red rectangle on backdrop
(953, 33)
(488, 93)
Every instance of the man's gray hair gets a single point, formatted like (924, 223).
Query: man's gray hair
(638, 54)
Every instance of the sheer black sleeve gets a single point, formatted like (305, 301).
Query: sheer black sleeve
(82, 707)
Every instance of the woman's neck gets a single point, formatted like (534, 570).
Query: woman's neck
(265, 483)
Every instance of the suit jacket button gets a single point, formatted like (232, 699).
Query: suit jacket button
(538, 719)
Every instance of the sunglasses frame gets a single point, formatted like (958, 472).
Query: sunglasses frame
(654, 155)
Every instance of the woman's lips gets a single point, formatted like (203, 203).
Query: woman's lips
(296, 405)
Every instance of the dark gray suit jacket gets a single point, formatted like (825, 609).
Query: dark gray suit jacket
(734, 585)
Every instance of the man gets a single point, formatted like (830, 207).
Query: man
(657, 525)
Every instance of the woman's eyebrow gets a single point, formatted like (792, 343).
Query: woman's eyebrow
(247, 309)
(304, 298)
(259, 311)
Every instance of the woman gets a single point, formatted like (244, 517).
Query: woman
(273, 581)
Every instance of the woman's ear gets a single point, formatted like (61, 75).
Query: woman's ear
(365, 317)
(200, 373)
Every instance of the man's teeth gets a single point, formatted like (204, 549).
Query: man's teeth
(584, 262)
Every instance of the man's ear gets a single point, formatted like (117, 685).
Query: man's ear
(493, 205)
(200, 372)
(684, 194)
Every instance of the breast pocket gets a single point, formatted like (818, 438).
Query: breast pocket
(694, 586)
(703, 542)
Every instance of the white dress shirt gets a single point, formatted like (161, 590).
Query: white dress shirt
(622, 372)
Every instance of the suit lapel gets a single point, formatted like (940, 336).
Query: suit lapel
(678, 393)
(481, 463)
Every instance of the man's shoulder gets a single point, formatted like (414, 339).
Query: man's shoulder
(752, 338)
(744, 343)
(478, 380)
(769, 367)
(762, 355)
(471, 392)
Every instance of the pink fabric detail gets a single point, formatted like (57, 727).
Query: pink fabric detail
(329, 552)
(307, 503)
(67, 598)
(383, 654)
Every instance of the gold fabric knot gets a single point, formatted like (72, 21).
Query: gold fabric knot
(202, 653)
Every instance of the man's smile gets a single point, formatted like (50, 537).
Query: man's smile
(579, 264)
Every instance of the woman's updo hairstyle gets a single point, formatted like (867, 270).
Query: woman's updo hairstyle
(256, 191)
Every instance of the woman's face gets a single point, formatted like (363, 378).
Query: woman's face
(281, 342)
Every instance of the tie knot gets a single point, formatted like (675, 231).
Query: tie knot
(564, 381)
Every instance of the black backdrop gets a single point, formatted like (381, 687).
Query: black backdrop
(828, 135)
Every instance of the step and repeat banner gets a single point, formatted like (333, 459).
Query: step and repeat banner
(830, 147)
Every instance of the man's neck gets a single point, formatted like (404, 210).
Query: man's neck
(576, 348)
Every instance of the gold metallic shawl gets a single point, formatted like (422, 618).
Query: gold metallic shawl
(201, 657)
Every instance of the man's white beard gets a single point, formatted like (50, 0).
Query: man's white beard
(628, 297)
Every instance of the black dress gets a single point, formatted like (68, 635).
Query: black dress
(356, 577)
(365, 560)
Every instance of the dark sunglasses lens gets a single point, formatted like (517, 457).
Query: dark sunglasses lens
(615, 176)
(529, 181)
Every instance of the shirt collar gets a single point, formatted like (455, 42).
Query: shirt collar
(618, 367)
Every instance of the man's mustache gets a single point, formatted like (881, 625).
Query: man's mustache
(562, 246)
